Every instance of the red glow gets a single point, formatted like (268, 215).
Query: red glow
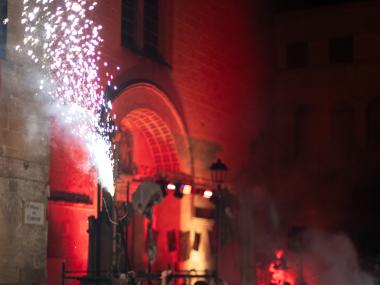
(70, 172)
(279, 270)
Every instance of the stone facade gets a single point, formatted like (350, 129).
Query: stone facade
(24, 157)
(210, 77)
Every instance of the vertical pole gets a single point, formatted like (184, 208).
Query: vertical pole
(63, 269)
(218, 233)
(149, 236)
(149, 273)
(126, 230)
(98, 232)
(114, 230)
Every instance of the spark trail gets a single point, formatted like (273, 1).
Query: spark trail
(63, 43)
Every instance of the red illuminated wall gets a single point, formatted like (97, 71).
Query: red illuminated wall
(213, 72)
(70, 172)
(213, 77)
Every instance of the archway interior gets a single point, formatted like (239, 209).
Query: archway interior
(151, 152)
(153, 143)
(157, 143)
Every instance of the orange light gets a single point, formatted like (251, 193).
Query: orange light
(170, 186)
(186, 190)
(207, 194)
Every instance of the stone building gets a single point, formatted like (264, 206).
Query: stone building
(190, 90)
(327, 96)
(289, 101)
(315, 161)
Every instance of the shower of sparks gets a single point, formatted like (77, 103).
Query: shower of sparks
(63, 42)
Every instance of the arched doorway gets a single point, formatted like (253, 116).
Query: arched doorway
(145, 110)
(153, 142)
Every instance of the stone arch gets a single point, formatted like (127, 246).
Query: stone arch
(144, 110)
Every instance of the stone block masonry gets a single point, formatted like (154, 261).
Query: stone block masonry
(23, 179)
(24, 159)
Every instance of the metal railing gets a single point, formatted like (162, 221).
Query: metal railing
(186, 277)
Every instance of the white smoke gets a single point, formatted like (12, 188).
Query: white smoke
(319, 257)
(328, 259)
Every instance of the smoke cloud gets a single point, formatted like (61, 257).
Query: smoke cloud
(313, 256)
(327, 258)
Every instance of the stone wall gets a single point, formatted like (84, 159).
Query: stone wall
(24, 132)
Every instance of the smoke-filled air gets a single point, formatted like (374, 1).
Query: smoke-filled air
(63, 44)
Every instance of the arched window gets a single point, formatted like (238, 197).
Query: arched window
(373, 123)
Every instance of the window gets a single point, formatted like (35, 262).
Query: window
(142, 34)
(3, 27)
(128, 23)
(297, 55)
(341, 50)
(151, 27)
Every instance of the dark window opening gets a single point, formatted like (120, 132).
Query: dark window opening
(3, 27)
(297, 55)
(141, 28)
(151, 27)
(70, 197)
(128, 23)
(341, 50)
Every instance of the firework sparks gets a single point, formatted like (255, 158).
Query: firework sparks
(63, 42)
